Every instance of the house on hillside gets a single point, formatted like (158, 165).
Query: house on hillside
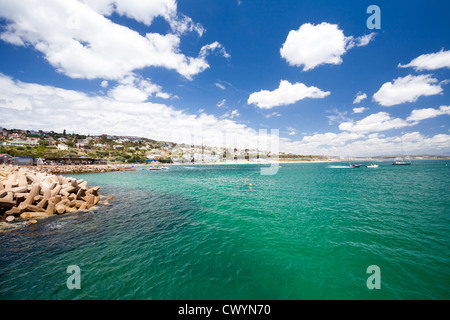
(63, 147)
(6, 159)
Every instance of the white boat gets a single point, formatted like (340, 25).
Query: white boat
(401, 163)
(156, 168)
(404, 161)
(373, 165)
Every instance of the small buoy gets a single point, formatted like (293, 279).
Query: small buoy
(250, 185)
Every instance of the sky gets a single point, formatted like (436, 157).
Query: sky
(322, 77)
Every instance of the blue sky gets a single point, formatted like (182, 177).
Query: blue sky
(213, 71)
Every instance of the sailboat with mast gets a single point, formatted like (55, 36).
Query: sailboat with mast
(404, 161)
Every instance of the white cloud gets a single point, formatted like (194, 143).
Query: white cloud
(104, 84)
(359, 110)
(220, 86)
(359, 97)
(286, 94)
(314, 45)
(376, 122)
(406, 89)
(136, 89)
(273, 114)
(213, 47)
(222, 103)
(337, 116)
(430, 61)
(422, 114)
(85, 44)
(382, 121)
(60, 109)
(146, 11)
(364, 40)
(345, 144)
(163, 95)
(230, 114)
(291, 131)
(331, 139)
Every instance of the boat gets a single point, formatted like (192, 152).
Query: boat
(404, 161)
(373, 165)
(156, 168)
(353, 165)
(401, 163)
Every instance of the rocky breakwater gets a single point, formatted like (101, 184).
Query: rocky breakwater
(26, 194)
(67, 169)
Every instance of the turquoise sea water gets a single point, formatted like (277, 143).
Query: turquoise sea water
(199, 232)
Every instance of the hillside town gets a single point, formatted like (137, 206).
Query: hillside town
(28, 147)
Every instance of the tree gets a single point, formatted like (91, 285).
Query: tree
(44, 143)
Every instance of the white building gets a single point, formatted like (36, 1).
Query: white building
(62, 147)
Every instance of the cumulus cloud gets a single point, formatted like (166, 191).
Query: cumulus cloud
(314, 45)
(285, 94)
(213, 47)
(331, 139)
(383, 121)
(344, 144)
(430, 61)
(50, 108)
(380, 121)
(145, 11)
(359, 97)
(136, 89)
(87, 45)
(406, 89)
(359, 110)
(426, 113)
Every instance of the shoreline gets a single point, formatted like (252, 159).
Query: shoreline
(235, 162)
(281, 162)
(74, 169)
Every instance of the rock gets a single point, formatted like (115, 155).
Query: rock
(31, 215)
(37, 193)
(60, 208)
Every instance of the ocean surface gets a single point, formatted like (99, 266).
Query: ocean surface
(200, 232)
